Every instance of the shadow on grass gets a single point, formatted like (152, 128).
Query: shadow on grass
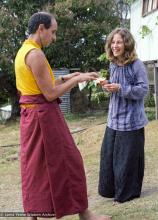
(149, 191)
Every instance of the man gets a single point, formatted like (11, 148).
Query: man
(53, 177)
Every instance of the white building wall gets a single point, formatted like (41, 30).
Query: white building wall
(147, 48)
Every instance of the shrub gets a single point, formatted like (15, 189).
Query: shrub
(149, 101)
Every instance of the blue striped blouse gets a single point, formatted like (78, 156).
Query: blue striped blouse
(126, 108)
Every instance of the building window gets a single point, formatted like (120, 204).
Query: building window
(149, 6)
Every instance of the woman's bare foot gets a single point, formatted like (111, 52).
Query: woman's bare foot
(115, 203)
(88, 215)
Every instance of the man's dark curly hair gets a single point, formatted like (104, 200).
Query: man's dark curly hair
(39, 18)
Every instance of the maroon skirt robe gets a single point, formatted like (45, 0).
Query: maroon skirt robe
(53, 176)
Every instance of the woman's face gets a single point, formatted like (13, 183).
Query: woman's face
(117, 46)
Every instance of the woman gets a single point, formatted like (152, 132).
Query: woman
(122, 151)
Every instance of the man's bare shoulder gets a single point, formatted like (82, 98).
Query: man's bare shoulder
(36, 54)
(35, 57)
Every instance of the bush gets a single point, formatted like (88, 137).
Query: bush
(3, 98)
(100, 97)
(100, 100)
(150, 112)
(149, 101)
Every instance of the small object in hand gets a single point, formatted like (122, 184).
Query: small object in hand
(82, 85)
(99, 80)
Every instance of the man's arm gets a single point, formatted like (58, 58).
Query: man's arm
(63, 79)
(36, 61)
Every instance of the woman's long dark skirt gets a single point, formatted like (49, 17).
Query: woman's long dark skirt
(122, 164)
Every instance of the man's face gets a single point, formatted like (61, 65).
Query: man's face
(47, 36)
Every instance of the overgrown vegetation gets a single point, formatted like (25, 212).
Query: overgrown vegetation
(150, 107)
(150, 112)
(149, 101)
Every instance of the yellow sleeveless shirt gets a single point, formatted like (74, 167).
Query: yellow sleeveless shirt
(25, 81)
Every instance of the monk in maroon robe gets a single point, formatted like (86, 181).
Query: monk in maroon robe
(53, 176)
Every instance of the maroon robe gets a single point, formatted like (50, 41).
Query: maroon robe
(53, 176)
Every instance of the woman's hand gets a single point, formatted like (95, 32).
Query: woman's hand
(103, 82)
(112, 87)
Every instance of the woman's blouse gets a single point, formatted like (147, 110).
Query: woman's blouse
(126, 108)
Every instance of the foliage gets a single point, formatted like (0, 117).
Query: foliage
(100, 97)
(102, 57)
(150, 112)
(97, 94)
(83, 26)
(3, 98)
(122, 8)
(144, 31)
(14, 16)
(149, 101)
(149, 104)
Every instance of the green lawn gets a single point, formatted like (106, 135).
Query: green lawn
(88, 141)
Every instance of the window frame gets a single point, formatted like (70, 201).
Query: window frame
(145, 6)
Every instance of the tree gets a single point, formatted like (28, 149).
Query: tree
(83, 26)
(14, 17)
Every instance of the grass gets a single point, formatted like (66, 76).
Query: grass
(88, 141)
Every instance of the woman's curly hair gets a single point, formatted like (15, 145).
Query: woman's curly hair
(129, 46)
